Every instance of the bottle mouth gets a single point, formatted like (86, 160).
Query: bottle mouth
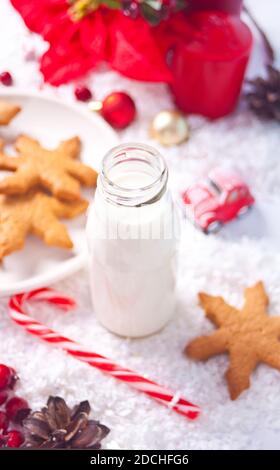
(133, 175)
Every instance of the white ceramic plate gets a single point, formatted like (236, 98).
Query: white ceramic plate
(51, 121)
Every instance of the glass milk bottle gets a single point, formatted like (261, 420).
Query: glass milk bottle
(132, 230)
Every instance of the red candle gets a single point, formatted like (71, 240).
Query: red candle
(209, 63)
(230, 6)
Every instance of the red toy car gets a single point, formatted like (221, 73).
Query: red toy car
(218, 199)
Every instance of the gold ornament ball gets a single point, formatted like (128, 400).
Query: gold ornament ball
(170, 128)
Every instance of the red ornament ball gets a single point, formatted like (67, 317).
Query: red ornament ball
(6, 78)
(82, 93)
(118, 109)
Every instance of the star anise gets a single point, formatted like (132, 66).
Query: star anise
(56, 426)
(264, 97)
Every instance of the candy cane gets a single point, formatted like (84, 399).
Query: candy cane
(18, 314)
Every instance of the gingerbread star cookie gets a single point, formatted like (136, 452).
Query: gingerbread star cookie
(55, 170)
(7, 112)
(35, 213)
(249, 335)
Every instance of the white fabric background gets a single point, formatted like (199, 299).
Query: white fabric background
(222, 264)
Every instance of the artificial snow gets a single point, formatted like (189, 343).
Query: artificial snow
(223, 264)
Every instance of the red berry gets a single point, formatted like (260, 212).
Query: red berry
(3, 397)
(118, 109)
(5, 376)
(3, 421)
(6, 78)
(17, 409)
(14, 378)
(83, 93)
(14, 439)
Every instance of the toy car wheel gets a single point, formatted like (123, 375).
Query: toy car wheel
(214, 227)
(243, 211)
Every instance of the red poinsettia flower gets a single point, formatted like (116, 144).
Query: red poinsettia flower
(77, 46)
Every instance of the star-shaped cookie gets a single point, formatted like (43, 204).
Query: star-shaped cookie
(7, 112)
(55, 170)
(35, 213)
(249, 335)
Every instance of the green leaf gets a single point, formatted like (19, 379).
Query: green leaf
(155, 4)
(114, 4)
(150, 14)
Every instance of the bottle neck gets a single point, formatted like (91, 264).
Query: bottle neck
(133, 175)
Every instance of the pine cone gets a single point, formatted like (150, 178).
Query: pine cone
(264, 98)
(56, 426)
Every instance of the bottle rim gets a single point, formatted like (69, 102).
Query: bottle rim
(141, 195)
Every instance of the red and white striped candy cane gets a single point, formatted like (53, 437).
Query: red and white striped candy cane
(17, 312)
